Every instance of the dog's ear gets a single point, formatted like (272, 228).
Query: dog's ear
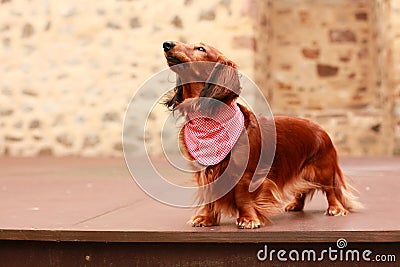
(224, 60)
(223, 83)
(176, 97)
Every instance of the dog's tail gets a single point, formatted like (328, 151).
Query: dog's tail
(344, 192)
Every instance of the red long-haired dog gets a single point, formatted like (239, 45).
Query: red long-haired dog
(305, 159)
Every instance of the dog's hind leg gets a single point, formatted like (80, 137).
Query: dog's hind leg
(335, 208)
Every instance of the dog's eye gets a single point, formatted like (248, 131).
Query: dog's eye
(202, 49)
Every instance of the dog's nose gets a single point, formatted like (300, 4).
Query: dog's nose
(168, 45)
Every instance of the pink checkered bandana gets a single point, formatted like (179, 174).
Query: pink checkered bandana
(209, 140)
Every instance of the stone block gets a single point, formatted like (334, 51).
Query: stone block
(325, 70)
(342, 36)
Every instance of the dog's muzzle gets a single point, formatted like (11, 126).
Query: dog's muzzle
(168, 45)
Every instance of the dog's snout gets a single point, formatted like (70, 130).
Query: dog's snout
(168, 45)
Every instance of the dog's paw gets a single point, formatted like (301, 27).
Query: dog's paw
(293, 206)
(248, 223)
(336, 211)
(201, 221)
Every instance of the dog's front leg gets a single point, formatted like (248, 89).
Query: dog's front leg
(248, 218)
(245, 203)
(206, 216)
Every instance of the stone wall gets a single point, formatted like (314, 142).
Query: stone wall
(330, 61)
(70, 68)
(394, 41)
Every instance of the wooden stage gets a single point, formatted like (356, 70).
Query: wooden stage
(90, 212)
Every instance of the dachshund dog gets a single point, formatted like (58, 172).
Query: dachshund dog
(304, 161)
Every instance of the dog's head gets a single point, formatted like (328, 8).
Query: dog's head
(202, 71)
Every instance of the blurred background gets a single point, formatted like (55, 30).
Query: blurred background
(69, 68)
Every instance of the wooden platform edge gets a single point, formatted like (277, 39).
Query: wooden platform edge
(198, 237)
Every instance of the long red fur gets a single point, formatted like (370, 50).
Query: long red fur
(305, 158)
